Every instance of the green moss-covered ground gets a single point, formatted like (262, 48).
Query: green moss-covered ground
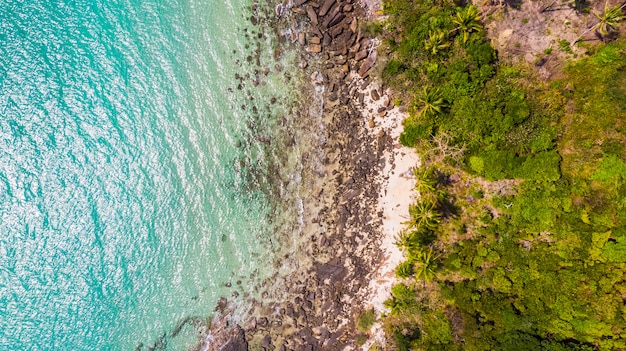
(518, 241)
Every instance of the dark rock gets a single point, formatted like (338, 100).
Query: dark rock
(306, 333)
(262, 322)
(251, 325)
(374, 95)
(336, 31)
(302, 39)
(316, 31)
(221, 305)
(331, 15)
(266, 342)
(314, 48)
(366, 65)
(229, 339)
(312, 15)
(340, 60)
(336, 19)
(326, 6)
(541, 62)
(327, 39)
(360, 55)
(354, 25)
(390, 106)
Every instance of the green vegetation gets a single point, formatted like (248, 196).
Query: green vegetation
(518, 241)
(608, 20)
(366, 320)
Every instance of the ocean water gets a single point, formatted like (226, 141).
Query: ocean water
(139, 167)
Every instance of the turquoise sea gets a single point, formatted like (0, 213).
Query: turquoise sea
(141, 169)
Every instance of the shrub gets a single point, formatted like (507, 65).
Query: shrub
(404, 269)
(393, 68)
(414, 132)
(611, 170)
(366, 320)
(360, 340)
(543, 167)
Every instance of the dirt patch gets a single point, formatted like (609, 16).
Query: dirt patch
(540, 33)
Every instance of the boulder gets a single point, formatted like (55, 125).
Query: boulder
(360, 55)
(327, 39)
(336, 19)
(251, 325)
(229, 339)
(314, 48)
(336, 31)
(366, 65)
(316, 31)
(266, 342)
(374, 95)
(340, 60)
(263, 322)
(331, 15)
(312, 15)
(326, 6)
(353, 25)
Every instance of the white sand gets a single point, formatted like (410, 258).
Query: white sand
(397, 193)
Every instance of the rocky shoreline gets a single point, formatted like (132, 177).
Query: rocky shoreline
(319, 302)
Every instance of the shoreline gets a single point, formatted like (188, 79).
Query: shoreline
(347, 253)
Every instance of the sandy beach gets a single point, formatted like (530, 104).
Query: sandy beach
(362, 182)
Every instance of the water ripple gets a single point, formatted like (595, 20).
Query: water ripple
(121, 209)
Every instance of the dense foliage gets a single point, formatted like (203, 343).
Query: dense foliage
(518, 241)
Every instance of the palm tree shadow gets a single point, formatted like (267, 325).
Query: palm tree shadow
(514, 4)
(448, 208)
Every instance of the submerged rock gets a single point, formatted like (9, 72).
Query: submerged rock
(229, 339)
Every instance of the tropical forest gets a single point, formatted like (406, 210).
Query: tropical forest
(518, 238)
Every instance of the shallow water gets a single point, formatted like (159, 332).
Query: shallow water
(136, 179)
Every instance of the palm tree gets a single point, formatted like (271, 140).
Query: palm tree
(424, 215)
(608, 20)
(430, 102)
(467, 20)
(406, 240)
(436, 42)
(424, 180)
(425, 264)
(425, 184)
(404, 269)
